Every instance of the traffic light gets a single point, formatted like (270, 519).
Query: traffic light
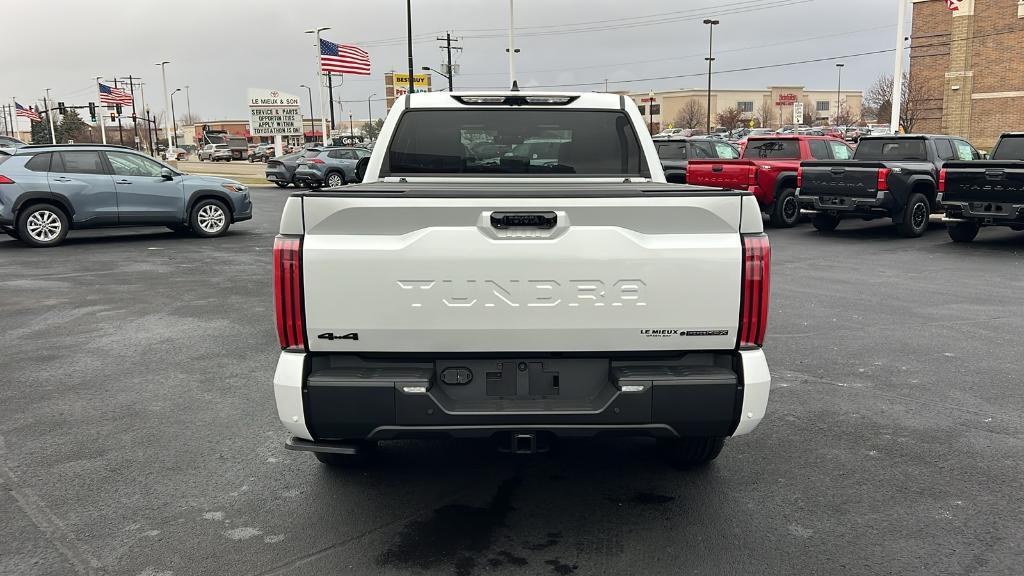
(92, 111)
(61, 108)
(113, 116)
(118, 109)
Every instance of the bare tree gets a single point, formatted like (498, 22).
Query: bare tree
(764, 113)
(845, 117)
(693, 114)
(731, 118)
(878, 101)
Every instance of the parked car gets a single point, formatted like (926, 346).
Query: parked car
(45, 191)
(675, 154)
(768, 168)
(261, 153)
(9, 145)
(491, 300)
(281, 171)
(175, 154)
(893, 176)
(979, 193)
(330, 166)
(215, 153)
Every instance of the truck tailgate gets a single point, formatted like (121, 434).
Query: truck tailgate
(840, 179)
(731, 174)
(984, 181)
(485, 273)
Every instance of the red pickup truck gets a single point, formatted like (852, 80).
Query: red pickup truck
(767, 169)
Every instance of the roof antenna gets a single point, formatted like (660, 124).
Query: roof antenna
(515, 86)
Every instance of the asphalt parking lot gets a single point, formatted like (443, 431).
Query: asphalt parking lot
(138, 433)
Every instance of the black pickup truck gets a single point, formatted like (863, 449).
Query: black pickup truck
(985, 193)
(891, 176)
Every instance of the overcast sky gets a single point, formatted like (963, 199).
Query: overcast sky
(222, 47)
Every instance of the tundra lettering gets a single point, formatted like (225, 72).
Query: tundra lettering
(532, 293)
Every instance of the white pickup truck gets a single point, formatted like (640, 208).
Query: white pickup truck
(514, 266)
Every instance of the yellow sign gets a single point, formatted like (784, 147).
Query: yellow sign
(417, 79)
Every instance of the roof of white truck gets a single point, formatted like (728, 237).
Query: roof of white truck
(533, 98)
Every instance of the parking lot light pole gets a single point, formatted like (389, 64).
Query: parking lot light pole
(711, 34)
(442, 74)
(312, 131)
(369, 114)
(351, 127)
(174, 121)
(839, 90)
(167, 105)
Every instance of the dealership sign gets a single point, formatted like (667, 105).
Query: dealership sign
(273, 113)
(786, 100)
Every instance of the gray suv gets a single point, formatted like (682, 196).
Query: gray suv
(215, 153)
(329, 166)
(47, 190)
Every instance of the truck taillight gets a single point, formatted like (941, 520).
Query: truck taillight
(291, 332)
(942, 180)
(752, 176)
(800, 177)
(883, 179)
(757, 258)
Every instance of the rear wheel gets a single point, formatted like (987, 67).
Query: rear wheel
(42, 225)
(334, 179)
(786, 212)
(915, 216)
(690, 452)
(825, 222)
(210, 218)
(963, 231)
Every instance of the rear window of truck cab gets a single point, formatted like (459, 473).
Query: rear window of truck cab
(1010, 148)
(515, 141)
(891, 149)
(781, 148)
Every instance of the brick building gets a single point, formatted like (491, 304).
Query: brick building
(968, 67)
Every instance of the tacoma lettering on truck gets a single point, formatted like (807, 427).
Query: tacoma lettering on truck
(532, 293)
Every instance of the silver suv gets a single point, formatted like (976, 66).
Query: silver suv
(215, 153)
(331, 166)
(47, 190)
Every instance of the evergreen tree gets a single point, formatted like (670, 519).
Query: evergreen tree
(72, 127)
(41, 132)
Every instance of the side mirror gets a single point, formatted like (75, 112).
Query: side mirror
(361, 168)
(166, 174)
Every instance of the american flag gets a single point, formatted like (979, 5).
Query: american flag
(111, 96)
(343, 58)
(25, 112)
(953, 5)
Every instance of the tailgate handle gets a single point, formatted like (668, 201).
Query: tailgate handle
(838, 170)
(717, 168)
(995, 174)
(506, 220)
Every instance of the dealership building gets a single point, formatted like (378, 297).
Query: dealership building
(771, 107)
(967, 68)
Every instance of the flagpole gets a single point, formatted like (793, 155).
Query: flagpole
(897, 75)
(320, 82)
(53, 133)
(99, 114)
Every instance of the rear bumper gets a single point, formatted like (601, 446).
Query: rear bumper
(330, 407)
(983, 212)
(837, 203)
(310, 176)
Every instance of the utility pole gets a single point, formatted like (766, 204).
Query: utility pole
(188, 106)
(448, 70)
(120, 128)
(711, 34)
(135, 117)
(408, 22)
